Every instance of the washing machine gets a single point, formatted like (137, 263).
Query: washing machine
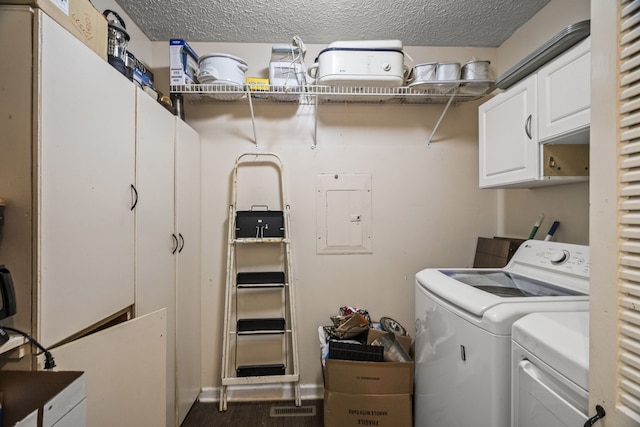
(463, 329)
(550, 370)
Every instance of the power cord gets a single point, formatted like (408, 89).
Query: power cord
(297, 41)
(49, 363)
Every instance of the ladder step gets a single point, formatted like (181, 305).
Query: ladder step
(260, 370)
(264, 279)
(261, 240)
(256, 326)
(265, 379)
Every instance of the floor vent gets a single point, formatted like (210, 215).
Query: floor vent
(292, 411)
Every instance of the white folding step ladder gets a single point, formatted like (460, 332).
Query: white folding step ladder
(242, 284)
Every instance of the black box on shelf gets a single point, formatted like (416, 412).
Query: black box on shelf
(259, 224)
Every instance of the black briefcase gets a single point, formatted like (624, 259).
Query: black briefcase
(259, 224)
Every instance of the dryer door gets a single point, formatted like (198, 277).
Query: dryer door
(543, 399)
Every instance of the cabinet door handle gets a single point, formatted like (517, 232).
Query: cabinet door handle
(527, 126)
(181, 243)
(135, 196)
(175, 240)
(600, 413)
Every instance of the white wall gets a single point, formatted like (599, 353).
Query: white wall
(569, 204)
(427, 208)
(549, 21)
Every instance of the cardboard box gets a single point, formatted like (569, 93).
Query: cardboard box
(385, 410)
(348, 376)
(496, 252)
(140, 74)
(356, 377)
(183, 68)
(369, 393)
(79, 17)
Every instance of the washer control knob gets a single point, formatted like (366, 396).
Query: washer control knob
(386, 66)
(559, 257)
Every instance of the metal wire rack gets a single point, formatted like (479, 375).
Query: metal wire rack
(436, 92)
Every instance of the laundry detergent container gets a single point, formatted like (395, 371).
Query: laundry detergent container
(376, 63)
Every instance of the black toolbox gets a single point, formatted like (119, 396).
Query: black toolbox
(259, 224)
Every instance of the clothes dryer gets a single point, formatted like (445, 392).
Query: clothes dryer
(550, 370)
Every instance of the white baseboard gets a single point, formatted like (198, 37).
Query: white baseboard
(265, 392)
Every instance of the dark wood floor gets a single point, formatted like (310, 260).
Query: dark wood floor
(251, 414)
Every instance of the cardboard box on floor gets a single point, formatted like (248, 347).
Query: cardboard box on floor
(355, 377)
(369, 393)
(382, 410)
(79, 17)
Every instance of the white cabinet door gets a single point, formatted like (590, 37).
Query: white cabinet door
(188, 268)
(155, 238)
(564, 95)
(124, 367)
(85, 169)
(509, 150)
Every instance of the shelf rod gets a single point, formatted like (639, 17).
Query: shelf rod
(435, 128)
(315, 127)
(253, 120)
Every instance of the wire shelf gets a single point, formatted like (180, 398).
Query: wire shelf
(432, 92)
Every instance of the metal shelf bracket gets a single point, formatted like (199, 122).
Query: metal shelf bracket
(435, 128)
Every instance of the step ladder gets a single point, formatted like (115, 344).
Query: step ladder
(244, 283)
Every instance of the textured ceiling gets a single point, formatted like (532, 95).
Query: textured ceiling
(473, 23)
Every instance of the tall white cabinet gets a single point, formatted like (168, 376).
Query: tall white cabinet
(156, 241)
(102, 224)
(67, 174)
(85, 157)
(70, 156)
(168, 243)
(188, 336)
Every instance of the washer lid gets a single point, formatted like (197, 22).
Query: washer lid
(477, 291)
(560, 339)
(506, 284)
(457, 293)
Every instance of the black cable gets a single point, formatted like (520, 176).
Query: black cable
(49, 363)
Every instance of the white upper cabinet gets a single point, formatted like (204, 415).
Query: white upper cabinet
(508, 136)
(564, 96)
(520, 127)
